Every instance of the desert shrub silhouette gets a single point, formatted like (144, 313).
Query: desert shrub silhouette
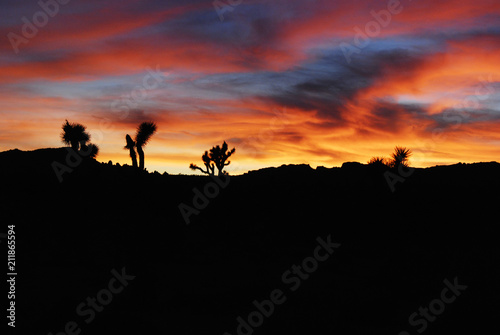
(75, 135)
(217, 157)
(91, 149)
(144, 132)
(378, 161)
(400, 156)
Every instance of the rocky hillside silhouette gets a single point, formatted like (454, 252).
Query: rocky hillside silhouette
(396, 248)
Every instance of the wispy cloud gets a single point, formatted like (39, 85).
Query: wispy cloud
(434, 63)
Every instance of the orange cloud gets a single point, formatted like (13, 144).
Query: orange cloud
(371, 106)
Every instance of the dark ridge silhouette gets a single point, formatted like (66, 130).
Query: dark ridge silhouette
(352, 165)
(217, 157)
(396, 248)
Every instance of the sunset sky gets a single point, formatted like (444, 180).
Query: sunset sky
(283, 81)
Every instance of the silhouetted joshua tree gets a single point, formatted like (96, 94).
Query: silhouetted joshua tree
(131, 147)
(400, 156)
(76, 136)
(142, 137)
(209, 166)
(218, 157)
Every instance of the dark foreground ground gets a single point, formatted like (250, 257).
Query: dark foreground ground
(428, 252)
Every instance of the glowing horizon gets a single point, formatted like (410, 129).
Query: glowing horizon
(284, 82)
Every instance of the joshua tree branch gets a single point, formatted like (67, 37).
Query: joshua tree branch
(196, 167)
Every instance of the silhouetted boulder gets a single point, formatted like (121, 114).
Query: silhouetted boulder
(352, 166)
